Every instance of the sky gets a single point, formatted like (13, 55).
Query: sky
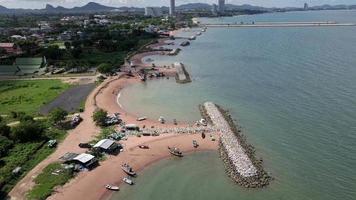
(143, 3)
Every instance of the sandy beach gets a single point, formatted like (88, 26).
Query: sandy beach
(91, 184)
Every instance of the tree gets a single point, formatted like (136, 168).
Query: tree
(5, 144)
(57, 115)
(25, 118)
(99, 117)
(76, 52)
(27, 131)
(53, 52)
(4, 129)
(105, 68)
(67, 45)
(2, 52)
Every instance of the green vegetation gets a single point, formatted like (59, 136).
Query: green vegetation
(99, 117)
(104, 133)
(28, 96)
(53, 175)
(23, 146)
(57, 116)
(105, 68)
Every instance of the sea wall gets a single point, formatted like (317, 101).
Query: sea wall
(182, 76)
(238, 157)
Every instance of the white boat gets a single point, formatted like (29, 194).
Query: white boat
(128, 181)
(161, 119)
(192, 37)
(203, 122)
(199, 33)
(141, 118)
(112, 187)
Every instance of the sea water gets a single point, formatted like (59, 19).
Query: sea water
(293, 90)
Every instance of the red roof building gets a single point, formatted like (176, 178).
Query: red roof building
(10, 48)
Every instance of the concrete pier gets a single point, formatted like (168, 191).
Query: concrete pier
(279, 24)
(182, 76)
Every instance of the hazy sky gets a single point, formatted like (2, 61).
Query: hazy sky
(142, 3)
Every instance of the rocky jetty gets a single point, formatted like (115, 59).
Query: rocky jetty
(239, 157)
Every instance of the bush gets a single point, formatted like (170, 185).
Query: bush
(4, 129)
(99, 117)
(57, 115)
(5, 145)
(105, 68)
(27, 131)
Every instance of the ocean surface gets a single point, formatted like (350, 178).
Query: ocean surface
(293, 90)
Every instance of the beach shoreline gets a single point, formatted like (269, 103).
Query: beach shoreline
(105, 96)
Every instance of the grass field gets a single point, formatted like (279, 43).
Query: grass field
(47, 181)
(27, 156)
(28, 96)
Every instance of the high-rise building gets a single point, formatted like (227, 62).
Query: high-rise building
(153, 11)
(214, 9)
(221, 6)
(172, 8)
(306, 6)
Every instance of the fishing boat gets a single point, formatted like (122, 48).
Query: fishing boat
(195, 144)
(185, 43)
(175, 151)
(143, 146)
(192, 38)
(141, 119)
(161, 119)
(128, 180)
(128, 170)
(142, 77)
(112, 187)
(203, 122)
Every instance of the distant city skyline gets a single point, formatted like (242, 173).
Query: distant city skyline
(144, 3)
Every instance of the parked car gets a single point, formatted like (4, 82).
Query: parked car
(85, 145)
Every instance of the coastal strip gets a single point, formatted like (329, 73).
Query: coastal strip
(266, 25)
(238, 157)
(182, 76)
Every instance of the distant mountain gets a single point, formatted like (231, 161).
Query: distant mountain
(93, 7)
(245, 7)
(194, 6)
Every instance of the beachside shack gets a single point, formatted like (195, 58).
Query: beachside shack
(84, 160)
(107, 146)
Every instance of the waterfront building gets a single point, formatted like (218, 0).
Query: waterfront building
(153, 11)
(306, 6)
(221, 6)
(172, 8)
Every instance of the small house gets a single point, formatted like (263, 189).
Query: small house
(10, 48)
(84, 159)
(107, 146)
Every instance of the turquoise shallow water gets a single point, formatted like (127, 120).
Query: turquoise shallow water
(293, 90)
